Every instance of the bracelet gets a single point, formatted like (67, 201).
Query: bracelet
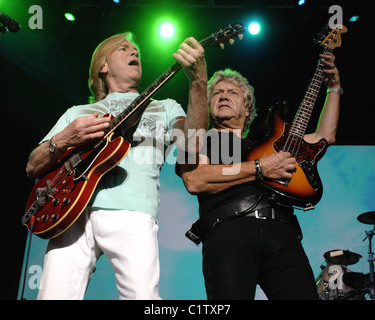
(339, 91)
(258, 170)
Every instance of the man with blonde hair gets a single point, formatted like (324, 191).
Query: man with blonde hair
(248, 238)
(121, 219)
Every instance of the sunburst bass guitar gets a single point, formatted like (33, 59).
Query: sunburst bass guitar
(58, 199)
(305, 188)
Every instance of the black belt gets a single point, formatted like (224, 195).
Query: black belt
(266, 213)
(254, 206)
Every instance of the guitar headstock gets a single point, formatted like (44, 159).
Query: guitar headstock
(333, 39)
(219, 37)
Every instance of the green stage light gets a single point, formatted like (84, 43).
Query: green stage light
(69, 16)
(254, 28)
(167, 30)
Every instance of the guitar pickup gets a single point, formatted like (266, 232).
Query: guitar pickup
(75, 160)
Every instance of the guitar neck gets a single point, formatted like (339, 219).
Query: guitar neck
(305, 109)
(142, 100)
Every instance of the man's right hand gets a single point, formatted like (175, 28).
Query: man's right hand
(81, 130)
(278, 165)
(78, 132)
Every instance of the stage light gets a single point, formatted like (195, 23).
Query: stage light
(254, 28)
(167, 30)
(69, 16)
(116, 1)
(354, 18)
(301, 2)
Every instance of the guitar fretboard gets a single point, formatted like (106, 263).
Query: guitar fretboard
(304, 112)
(143, 99)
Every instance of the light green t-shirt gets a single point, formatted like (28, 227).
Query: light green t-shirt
(134, 183)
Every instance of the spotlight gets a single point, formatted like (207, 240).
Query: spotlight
(354, 18)
(69, 16)
(254, 28)
(301, 2)
(167, 30)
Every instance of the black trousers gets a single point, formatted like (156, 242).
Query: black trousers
(243, 252)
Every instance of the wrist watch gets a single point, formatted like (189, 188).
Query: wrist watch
(339, 91)
(52, 146)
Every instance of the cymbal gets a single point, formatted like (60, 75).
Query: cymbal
(367, 217)
(344, 257)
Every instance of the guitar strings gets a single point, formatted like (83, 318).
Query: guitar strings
(294, 140)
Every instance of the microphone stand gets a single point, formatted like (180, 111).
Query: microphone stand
(369, 235)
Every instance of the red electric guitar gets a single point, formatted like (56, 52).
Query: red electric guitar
(305, 188)
(59, 198)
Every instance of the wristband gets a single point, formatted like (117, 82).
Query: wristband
(339, 91)
(258, 170)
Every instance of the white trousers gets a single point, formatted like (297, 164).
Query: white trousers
(127, 238)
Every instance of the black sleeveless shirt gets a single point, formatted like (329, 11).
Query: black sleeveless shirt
(224, 147)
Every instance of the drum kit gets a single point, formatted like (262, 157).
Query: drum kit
(337, 281)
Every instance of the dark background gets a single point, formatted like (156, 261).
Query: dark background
(43, 72)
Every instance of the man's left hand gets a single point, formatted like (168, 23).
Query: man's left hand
(331, 73)
(191, 57)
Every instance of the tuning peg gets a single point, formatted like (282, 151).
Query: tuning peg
(240, 36)
(231, 41)
(222, 46)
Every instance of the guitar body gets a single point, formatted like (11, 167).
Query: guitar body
(305, 188)
(59, 198)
